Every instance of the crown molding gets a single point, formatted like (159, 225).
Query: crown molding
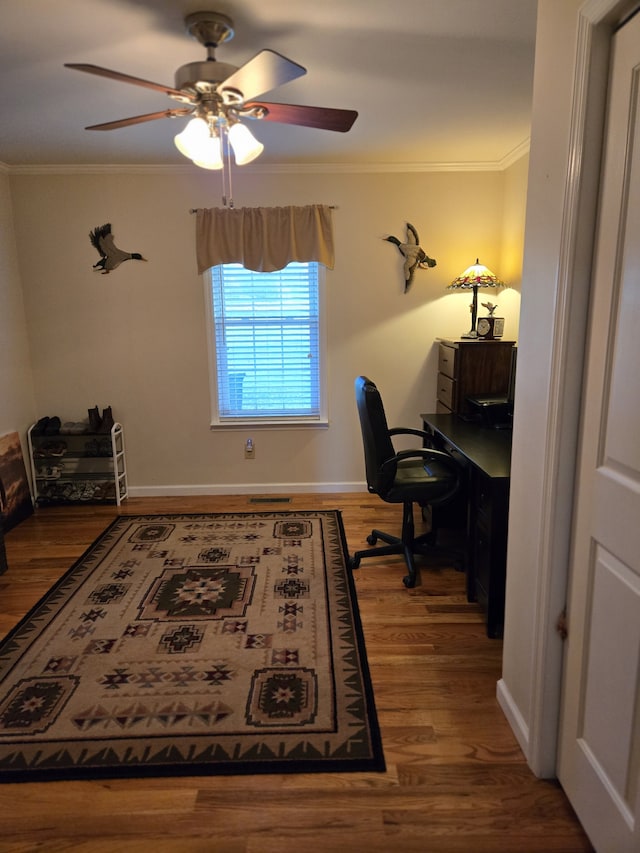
(270, 168)
(515, 154)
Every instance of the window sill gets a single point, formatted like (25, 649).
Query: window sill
(267, 424)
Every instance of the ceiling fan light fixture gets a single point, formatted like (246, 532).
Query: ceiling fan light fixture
(194, 135)
(245, 146)
(209, 153)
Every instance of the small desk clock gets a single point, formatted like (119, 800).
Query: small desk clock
(490, 327)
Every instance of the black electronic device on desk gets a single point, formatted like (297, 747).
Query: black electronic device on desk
(492, 411)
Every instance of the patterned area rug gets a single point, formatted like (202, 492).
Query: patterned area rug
(193, 644)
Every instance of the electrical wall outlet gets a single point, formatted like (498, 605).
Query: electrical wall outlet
(249, 449)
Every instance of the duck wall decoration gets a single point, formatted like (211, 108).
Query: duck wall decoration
(110, 255)
(414, 256)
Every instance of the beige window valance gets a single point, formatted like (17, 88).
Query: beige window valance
(264, 239)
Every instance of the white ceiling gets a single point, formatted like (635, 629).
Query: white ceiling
(434, 81)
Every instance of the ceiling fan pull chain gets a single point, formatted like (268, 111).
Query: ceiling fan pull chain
(231, 205)
(226, 169)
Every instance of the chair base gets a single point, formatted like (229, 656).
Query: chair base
(408, 545)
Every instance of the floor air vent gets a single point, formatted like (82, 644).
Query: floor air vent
(269, 500)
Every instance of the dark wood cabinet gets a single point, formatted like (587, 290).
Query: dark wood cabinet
(469, 368)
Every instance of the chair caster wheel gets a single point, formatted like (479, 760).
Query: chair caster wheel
(409, 581)
(354, 563)
(372, 539)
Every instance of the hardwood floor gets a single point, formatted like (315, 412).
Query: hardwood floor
(456, 780)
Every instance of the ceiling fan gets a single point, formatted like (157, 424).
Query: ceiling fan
(219, 95)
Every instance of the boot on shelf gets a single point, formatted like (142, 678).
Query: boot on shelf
(94, 419)
(107, 420)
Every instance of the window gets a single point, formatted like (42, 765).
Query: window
(266, 344)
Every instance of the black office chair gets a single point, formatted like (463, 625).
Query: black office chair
(423, 476)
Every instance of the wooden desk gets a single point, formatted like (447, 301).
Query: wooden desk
(481, 508)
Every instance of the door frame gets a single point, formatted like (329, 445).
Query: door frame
(597, 20)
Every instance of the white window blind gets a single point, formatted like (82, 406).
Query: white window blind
(267, 343)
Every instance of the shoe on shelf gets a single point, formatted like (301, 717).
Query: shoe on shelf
(107, 420)
(73, 428)
(91, 447)
(40, 427)
(94, 419)
(53, 426)
(52, 448)
(104, 447)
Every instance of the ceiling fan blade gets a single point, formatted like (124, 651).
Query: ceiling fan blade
(127, 78)
(266, 71)
(125, 122)
(324, 118)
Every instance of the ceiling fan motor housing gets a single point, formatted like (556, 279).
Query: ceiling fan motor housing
(209, 28)
(203, 76)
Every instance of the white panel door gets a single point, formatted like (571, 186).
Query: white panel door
(599, 760)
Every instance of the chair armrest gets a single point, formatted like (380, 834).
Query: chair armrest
(408, 431)
(427, 437)
(426, 454)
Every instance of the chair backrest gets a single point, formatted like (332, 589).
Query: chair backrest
(378, 447)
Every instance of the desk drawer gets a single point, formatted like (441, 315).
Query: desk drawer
(482, 494)
(447, 360)
(460, 458)
(445, 390)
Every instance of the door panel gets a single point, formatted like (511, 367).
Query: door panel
(607, 728)
(599, 760)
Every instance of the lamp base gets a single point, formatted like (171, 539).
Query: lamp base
(471, 334)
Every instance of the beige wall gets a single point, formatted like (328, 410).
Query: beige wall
(17, 408)
(136, 339)
(568, 95)
(513, 228)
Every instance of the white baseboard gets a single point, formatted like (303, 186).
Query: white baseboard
(513, 715)
(244, 489)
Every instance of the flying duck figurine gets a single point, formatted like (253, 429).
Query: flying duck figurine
(110, 255)
(490, 307)
(413, 255)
